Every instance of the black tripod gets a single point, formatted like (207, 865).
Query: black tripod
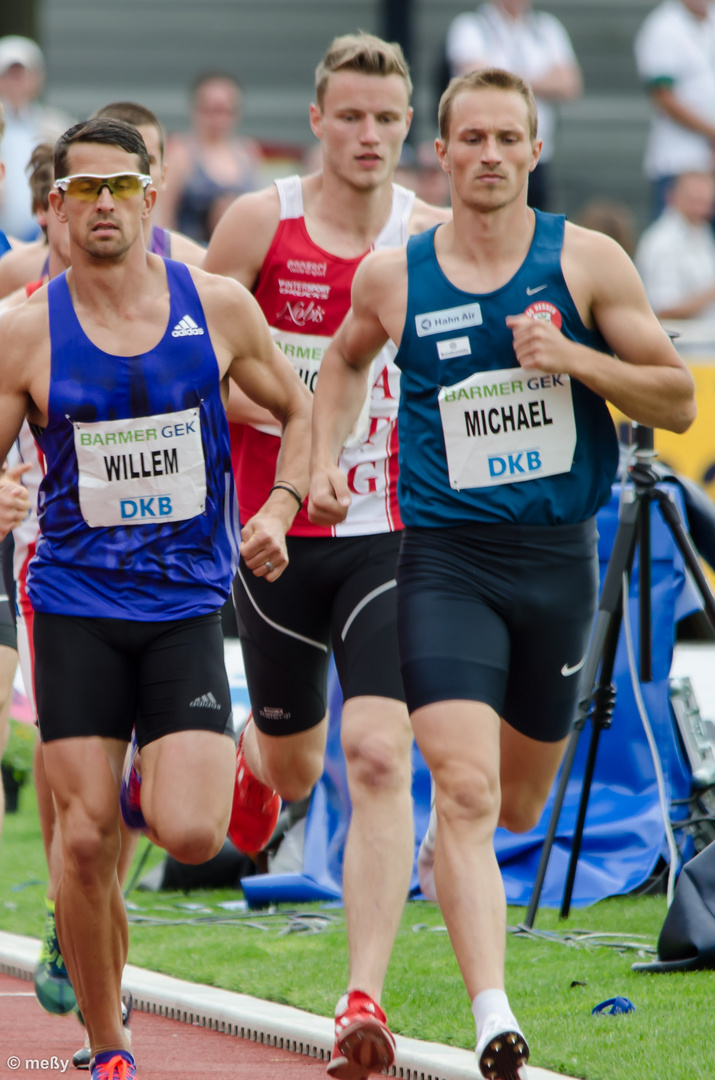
(599, 692)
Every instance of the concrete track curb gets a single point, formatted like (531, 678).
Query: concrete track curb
(261, 1021)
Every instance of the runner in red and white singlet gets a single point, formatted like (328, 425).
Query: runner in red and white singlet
(297, 246)
(305, 294)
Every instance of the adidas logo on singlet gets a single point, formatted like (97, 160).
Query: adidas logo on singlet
(186, 327)
(206, 701)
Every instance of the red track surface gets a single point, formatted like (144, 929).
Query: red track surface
(164, 1049)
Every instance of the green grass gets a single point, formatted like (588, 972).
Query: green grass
(424, 995)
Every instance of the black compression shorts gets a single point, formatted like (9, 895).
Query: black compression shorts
(104, 676)
(8, 632)
(500, 614)
(335, 590)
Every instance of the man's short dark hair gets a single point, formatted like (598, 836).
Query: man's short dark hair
(136, 115)
(105, 133)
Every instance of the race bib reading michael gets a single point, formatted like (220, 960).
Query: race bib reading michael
(507, 426)
(146, 469)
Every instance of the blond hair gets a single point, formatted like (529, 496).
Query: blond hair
(364, 53)
(488, 79)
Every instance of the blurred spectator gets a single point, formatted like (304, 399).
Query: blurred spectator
(27, 123)
(211, 165)
(615, 219)
(676, 254)
(406, 172)
(675, 55)
(532, 44)
(431, 181)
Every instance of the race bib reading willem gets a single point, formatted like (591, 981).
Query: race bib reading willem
(141, 470)
(507, 426)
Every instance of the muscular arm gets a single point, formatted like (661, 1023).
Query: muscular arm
(18, 348)
(342, 385)
(241, 240)
(238, 248)
(665, 100)
(646, 379)
(248, 356)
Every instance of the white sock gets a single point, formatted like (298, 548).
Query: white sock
(489, 1002)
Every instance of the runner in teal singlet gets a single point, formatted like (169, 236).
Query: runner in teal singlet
(506, 324)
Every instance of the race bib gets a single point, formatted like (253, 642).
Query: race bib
(306, 352)
(507, 426)
(146, 469)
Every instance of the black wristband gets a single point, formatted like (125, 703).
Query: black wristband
(284, 485)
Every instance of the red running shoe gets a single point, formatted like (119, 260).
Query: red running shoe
(114, 1065)
(363, 1042)
(255, 807)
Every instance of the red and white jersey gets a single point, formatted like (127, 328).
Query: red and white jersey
(305, 295)
(25, 536)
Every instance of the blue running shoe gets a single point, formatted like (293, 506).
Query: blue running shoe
(130, 791)
(52, 983)
(114, 1065)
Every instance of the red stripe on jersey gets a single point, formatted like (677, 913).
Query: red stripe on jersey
(392, 472)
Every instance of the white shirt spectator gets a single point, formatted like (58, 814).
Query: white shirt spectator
(675, 49)
(676, 261)
(528, 46)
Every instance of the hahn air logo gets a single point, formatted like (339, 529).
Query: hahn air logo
(186, 327)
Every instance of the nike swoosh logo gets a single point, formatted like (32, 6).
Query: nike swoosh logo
(530, 292)
(566, 670)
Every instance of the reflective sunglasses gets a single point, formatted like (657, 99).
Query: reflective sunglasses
(88, 187)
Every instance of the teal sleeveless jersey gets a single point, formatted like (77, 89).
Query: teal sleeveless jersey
(504, 444)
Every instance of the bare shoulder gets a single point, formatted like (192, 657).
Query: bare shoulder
(241, 239)
(598, 270)
(185, 250)
(599, 254)
(217, 292)
(424, 216)
(21, 265)
(24, 331)
(379, 274)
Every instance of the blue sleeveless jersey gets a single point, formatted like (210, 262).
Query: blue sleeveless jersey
(476, 338)
(152, 570)
(5, 244)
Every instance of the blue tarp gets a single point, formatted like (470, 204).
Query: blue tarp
(624, 833)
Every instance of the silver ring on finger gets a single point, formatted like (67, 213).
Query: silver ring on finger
(269, 565)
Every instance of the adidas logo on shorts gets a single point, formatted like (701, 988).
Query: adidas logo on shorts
(186, 327)
(206, 701)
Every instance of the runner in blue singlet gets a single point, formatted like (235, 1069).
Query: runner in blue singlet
(507, 322)
(120, 365)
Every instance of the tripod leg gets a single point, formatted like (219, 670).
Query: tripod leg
(644, 595)
(604, 702)
(609, 608)
(673, 520)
